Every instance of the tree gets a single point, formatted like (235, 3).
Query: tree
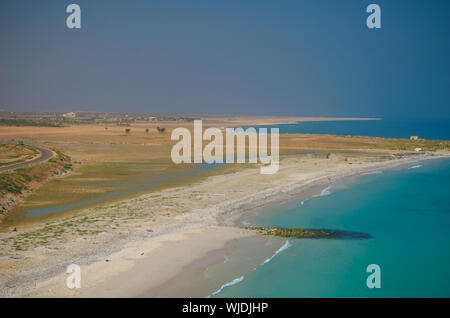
(146, 130)
(161, 129)
(127, 130)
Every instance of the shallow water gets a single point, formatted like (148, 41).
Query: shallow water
(145, 182)
(407, 211)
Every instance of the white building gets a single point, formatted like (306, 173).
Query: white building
(70, 115)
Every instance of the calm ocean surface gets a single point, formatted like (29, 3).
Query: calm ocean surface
(433, 128)
(407, 212)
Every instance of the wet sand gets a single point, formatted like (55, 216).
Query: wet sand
(187, 263)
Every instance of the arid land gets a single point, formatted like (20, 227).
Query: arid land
(136, 242)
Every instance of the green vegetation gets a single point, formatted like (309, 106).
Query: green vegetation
(21, 122)
(11, 162)
(176, 118)
(79, 226)
(20, 180)
(62, 157)
(403, 144)
(13, 183)
(11, 154)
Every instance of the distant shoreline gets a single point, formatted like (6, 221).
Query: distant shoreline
(60, 119)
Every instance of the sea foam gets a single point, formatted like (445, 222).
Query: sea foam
(233, 282)
(324, 192)
(240, 279)
(281, 249)
(373, 172)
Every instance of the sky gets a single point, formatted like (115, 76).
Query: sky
(241, 57)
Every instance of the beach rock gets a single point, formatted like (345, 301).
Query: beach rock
(13, 229)
(322, 155)
(17, 257)
(311, 233)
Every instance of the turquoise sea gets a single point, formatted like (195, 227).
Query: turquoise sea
(406, 210)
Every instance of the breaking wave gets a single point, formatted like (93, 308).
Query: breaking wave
(233, 282)
(240, 279)
(324, 192)
(281, 249)
(373, 172)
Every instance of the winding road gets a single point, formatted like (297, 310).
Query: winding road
(45, 155)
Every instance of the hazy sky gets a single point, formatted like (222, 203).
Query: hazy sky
(301, 57)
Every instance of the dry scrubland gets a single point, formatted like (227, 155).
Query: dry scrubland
(102, 155)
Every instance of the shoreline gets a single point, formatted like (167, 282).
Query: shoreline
(307, 191)
(314, 187)
(203, 232)
(176, 259)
